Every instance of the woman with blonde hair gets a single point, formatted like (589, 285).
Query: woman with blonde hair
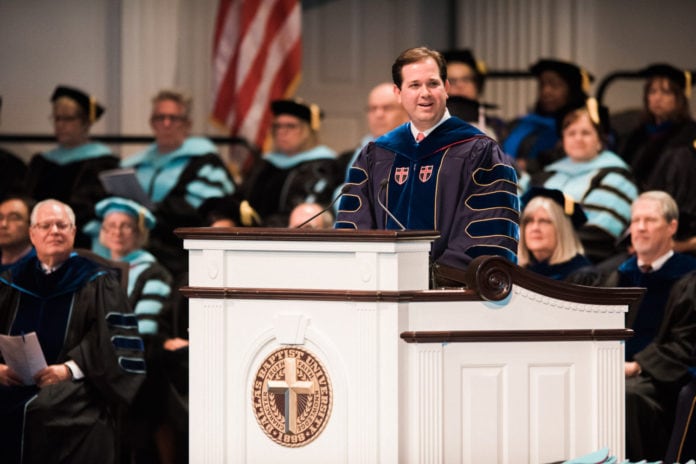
(548, 243)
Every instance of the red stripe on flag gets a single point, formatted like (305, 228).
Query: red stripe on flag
(269, 69)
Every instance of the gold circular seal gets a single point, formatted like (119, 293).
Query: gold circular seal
(292, 397)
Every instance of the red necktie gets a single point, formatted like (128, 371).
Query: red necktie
(419, 137)
(645, 268)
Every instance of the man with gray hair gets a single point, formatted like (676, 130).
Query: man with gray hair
(67, 411)
(664, 325)
(178, 172)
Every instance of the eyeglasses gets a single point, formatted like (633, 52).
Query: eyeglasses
(13, 217)
(46, 226)
(125, 228)
(57, 119)
(290, 126)
(384, 108)
(174, 118)
(462, 80)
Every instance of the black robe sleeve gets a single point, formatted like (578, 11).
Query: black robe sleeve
(667, 358)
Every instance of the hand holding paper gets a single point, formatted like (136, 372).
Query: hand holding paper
(23, 355)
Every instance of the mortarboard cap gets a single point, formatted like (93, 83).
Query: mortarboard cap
(572, 209)
(574, 75)
(117, 204)
(88, 103)
(306, 111)
(679, 76)
(230, 207)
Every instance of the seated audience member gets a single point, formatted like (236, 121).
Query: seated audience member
(178, 172)
(229, 211)
(682, 443)
(124, 231)
(304, 211)
(12, 172)
(533, 139)
(15, 244)
(596, 178)
(661, 149)
(467, 78)
(298, 170)
(70, 172)
(548, 243)
(384, 113)
(664, 325)
(90, 342)
(434, 173)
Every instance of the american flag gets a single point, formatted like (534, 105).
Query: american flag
(257, 55)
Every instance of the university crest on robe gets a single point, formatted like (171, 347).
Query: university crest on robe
(400, 175)
(425, 173)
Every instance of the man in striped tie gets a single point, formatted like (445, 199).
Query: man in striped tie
(435, 172)
(664, 325)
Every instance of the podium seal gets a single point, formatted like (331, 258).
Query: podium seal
(292, 397)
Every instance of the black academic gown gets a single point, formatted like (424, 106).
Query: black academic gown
(12, 173)
(664, 158)
(456, 181)
(80, 313)
(274, 191)
(665, 334)
(76, 184)
(559, 271)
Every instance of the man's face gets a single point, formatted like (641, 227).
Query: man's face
(651, 234)
(68, 126)
(553, 91)
(384, 112)
(14, 224)
(423, 94)
(462, 80)
(52, 234)
(170, 125)
(290, 134)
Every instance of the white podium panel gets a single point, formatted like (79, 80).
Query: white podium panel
(328, 346)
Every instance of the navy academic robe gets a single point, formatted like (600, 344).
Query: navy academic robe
(665, 334)
(79, 313)
(456, 181)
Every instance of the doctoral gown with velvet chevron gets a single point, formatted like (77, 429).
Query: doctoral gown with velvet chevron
(456, 181)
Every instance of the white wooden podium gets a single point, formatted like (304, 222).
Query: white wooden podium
(514, 369)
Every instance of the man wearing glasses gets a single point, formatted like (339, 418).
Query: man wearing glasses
(70, 171)
(67, 411)
(298, 169)
(178, 172)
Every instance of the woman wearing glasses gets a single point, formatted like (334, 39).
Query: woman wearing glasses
(125, 227)
(69, 172)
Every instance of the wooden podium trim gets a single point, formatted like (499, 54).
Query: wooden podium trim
(574, 335)
(302, 235)
(327, 295)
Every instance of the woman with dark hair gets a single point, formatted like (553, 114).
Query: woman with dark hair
(661, 149)
(533, 139)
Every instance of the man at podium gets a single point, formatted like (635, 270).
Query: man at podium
(435, 172)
